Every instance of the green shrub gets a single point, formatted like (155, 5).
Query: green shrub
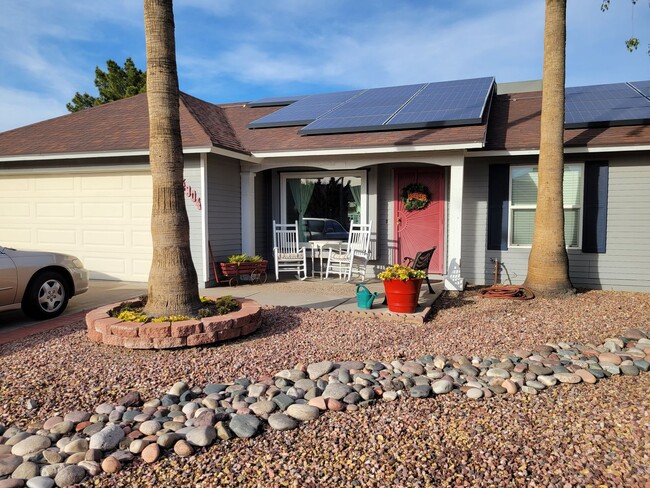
(244, 258)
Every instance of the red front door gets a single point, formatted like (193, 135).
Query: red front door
(419, 230)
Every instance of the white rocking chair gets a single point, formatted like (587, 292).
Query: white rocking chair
(352, 258)
(289, 257)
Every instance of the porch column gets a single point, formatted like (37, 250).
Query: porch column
(248, 212)
(453, 278)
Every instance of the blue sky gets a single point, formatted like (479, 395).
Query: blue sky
(239, 50)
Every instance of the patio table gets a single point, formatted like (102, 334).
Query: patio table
(319, 246)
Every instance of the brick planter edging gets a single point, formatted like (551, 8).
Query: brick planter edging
(168, 335)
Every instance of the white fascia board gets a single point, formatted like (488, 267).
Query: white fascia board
(234, 155)
(125, 153)
(366, 150)
(567, 150)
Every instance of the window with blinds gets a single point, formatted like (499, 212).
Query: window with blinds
(523, 201)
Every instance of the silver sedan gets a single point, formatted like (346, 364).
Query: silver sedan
(39, 282)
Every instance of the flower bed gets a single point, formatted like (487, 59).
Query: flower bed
(168, 335)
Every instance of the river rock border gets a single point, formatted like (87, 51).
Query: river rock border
(65, 449)
(169, 335)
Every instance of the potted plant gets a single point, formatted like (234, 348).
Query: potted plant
(402, 285)
(252, 267)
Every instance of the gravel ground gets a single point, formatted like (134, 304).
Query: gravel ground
(567, 436)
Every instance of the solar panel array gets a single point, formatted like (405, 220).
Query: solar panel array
(408, 106)
(603, 105)
(448, 103)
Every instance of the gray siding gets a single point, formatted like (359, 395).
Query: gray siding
(625, 265)
(224, 207)
(192, 175)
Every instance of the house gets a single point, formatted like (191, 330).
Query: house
(467, 150)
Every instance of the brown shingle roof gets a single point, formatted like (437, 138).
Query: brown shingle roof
(514, 124)
(124, 125)
(118, 126)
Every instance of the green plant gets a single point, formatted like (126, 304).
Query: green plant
(401, 272)
(132, 311)
(244, 258)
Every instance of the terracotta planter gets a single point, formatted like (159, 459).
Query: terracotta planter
(402, 296)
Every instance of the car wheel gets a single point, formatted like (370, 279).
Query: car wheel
(46, 296)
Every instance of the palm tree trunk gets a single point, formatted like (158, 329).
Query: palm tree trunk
(548, 264)
(173, 284)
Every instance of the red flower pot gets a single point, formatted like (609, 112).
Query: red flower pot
(402, 296)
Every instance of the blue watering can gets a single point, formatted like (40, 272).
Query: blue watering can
(364, 297)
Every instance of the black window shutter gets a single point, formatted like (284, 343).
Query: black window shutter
(498, 198)
(594, 222)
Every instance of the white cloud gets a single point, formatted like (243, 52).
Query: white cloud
(20, 107)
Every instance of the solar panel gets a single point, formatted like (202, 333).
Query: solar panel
(602, 105)
(305, 110)
(459, 102)
(410, 106)
(365, 112)
(275, 101)
(642, 86)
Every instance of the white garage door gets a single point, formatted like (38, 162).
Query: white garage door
(103, 219)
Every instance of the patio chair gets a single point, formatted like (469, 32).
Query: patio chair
(421, 262)
(353, 257)
(289, 257)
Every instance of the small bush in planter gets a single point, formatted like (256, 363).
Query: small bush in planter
(401, 272)
(244, 258)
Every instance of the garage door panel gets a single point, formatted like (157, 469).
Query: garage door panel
(56, 236)
(102, 210)
(10, 186)
(16, 237)
(53, 185)
(102, 219)
(103, 184)
(16, 210)
(55, 209)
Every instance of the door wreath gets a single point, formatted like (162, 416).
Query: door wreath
(415, 196)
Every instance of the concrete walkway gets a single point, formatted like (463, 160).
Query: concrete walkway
(313, 293)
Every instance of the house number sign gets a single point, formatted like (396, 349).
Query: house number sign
(191, 194)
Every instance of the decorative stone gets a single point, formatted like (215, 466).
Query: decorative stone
(570, 378)
(338, 391)
(263, 407)
(474, 393)
(244, 426)
(281, 422)
(303, 412)
(610, 357)
(586, 376)
(510, 386)
(316, 370)
(629, 370)
(183, 448)
(111, 465)
(93, 468)
(26, 471)
(108, 438)
(40, 482)
(76, 445)
(150, 427)
(420, 391)
(77, 416)
(442, 386)
(31, 444)
(201, 436)
(70, 475)
(151, 453)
